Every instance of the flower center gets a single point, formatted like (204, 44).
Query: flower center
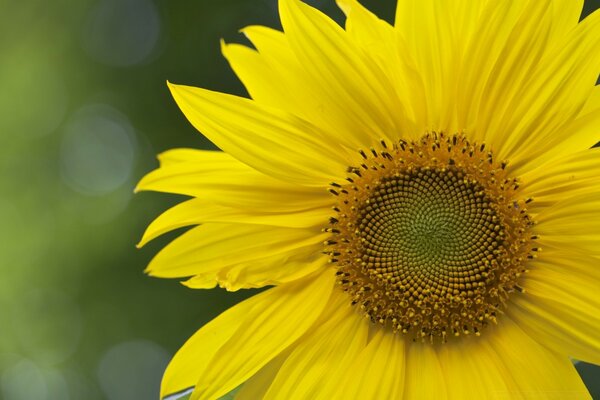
(430, 237)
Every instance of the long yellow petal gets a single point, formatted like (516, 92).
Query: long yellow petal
(520, 54)
(378, 371)
(531, 370)
(193, 358)
(280, 81)
(256, 387)
(582, 132)
(507, 363)
(198, 211)
(573, 175)
(571, 223)
(267, 271)
(258, 76)
(349, 82)
(593, 102)
(536, 120)
(437, 48)
(220, 178)
(270, 140)
(293, 87)
(566, 14)
(387, 49)
(424, 377)
(489, 37)
(238, 255)
(561, 303)
(473, 370)
(289, 313)
(322, 354)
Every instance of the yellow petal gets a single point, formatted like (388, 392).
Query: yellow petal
(386, 48)
(269, 140)
(198, 211)
(535, 119)
(473, 370)
(519, 57)
(239, 255)
(378, 371)
(573, 175)
(506, 363)
(491, 28)
(290, 312)
(275, 78)
(571, 223)
(437, 34)
(561, 303)
(257, 76)
(582, 131)
(593, 102)
(566, 14)
(348, 80)
(192, 359)
(322, 354)
(285, 82)
(424, 377)
(462, 15)
(220, 178)
(531, 370)
(266, 271)
(257, 386)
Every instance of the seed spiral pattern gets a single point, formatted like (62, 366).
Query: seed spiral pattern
(430, 237)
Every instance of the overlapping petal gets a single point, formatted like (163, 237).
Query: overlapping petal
(322, 355)
(378, 371)
(490, 35)
(539, 114)
(197, 211)
(436, 49)
(425, 366)
(477, 360)
(566, 15)
(218, 177)
(573, 175)
(507, 363)
(562, 303)
(358, 90)
(389, 51)
(256, 387)
(270, 140)
(529, 369)
(572, 223)
(239, 256)
(194, 357)
(286, 313)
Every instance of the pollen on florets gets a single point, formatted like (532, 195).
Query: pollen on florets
(430, 237)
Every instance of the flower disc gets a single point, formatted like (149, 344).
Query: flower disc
(429, 237)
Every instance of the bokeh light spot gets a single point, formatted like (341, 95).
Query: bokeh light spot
(132, 370)
(23, 381)
(122, 32)
(98, 150)
(48, 325)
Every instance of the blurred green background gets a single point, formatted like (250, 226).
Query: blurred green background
(85, 109)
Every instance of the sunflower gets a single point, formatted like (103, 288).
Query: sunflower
(422, 200)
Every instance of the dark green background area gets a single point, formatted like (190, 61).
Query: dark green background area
(85, 109)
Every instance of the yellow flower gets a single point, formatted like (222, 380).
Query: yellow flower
(396, 185)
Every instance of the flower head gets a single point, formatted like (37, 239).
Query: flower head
(422, 197)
